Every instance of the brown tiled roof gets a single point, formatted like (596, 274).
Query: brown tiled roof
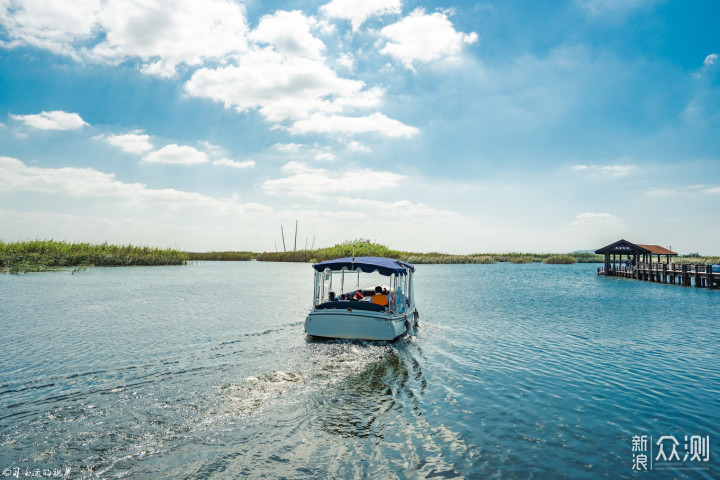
(657, 250)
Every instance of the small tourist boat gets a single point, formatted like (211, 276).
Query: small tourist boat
(366, 298)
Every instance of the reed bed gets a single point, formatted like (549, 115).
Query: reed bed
(696, 260)
(223, 256)
(367, 248)
(560, 260)
(43, 255)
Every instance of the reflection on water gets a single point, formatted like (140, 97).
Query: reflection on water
(204, 372)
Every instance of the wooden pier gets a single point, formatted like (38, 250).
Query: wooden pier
(660, 272)
(675, 273)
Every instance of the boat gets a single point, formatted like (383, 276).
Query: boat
(365, 298)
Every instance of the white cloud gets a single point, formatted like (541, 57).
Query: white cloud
(289, 33)
(212, 149)
(594, 220)
(55, 25)
(707, 66)
(226, 162)
(280, 88)
(346, 60)
(160, 34)
(688, 190)
(424, 38)
(301, 90)
(289, 147)
(136, 143)
(605, 170)
(55, 120)
(87, 182)
(358, 11)
(177, 155)
(374, 123)
(662, 192)
(325, 156)
(355, 146)
(306, 181)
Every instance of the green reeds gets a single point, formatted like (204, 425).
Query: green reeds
(43, 255)
(560, 260)
(223, 256)
(367, 248)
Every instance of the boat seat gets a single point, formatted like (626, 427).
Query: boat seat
(344, 305)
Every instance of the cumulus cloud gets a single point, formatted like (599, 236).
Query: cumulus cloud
(306, 181)
(160, 34)
(282, 73)
(136, 142)
(177, 155)
(290, 34)
(55, 25)
(375, 123)
(710, 59)
(87, 182)
(226, 162)
(55, 120)
(424, 38)
(358, 11)
(280, 88)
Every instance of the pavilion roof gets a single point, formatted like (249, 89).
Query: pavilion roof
(657, 249)
(623, 247)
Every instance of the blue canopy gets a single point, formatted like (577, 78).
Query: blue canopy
(384, 266)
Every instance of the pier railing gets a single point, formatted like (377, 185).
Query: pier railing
(700, 275)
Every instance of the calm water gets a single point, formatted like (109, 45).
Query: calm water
(203, 371)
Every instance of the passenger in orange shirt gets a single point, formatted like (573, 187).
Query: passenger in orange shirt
(379, 298)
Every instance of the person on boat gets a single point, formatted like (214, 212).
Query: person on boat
(331, 296)
(379, 298)
(358, 295)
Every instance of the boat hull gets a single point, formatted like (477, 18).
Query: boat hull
(361, 325)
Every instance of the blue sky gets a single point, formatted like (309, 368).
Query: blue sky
(457, 127)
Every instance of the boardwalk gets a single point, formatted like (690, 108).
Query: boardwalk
(675, 273)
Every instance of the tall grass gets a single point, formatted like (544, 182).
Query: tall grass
(222, 256)
(367, 248)
(560, 260)
(40, 255)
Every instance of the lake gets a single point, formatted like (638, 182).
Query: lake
(204, 371)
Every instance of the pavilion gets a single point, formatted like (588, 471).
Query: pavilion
(633, 252)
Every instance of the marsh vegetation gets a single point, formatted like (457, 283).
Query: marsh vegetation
(43, 255)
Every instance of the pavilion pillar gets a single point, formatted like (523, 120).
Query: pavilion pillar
(607, 264)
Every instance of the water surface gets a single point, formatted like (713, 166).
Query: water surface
(200, 371)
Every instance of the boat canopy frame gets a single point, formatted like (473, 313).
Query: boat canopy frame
(399, 273)
(384, 266)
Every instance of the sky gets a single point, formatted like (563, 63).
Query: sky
(446, 126)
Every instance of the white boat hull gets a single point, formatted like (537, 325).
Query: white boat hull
(358, 324)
